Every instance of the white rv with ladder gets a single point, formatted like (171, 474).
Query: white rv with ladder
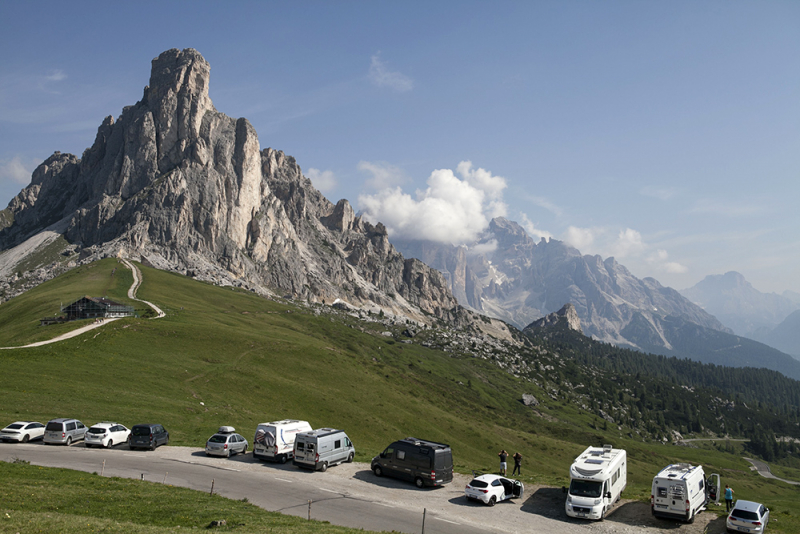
(597, 478)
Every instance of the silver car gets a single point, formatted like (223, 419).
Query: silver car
(747, 516)
(64, 431)
(226, 442)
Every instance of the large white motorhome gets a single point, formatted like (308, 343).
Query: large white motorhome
(275, 441)
(681, 491)
(597, 478)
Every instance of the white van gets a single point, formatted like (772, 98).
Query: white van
(681, 491)
(597, 478)
(275, 441)
(321, 448)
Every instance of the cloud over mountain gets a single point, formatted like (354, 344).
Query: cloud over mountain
(453, 209)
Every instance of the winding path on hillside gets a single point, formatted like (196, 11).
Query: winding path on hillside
(137, 281)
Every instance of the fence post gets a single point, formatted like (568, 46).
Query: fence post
(309, 509)
(212, 487)
(424, 511)
(165, 477)
(103, 470)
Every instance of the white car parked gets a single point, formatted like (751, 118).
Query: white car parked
(22, 431)
(106, 434)
(747, 516)
(491, 489)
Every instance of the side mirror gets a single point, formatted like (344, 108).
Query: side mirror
(608, 495)
(383, 455)
(563, 489)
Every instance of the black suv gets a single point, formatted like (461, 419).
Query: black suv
(148, 437)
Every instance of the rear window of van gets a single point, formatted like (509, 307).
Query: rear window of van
(141, 431)
(55, 427)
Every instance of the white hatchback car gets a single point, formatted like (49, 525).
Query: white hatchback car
(106, 434)
(22, 431)
(491, 489)
(226, 442)
(747, 516)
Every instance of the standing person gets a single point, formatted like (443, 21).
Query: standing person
(517, 464)
(503, 466)
(728, 498)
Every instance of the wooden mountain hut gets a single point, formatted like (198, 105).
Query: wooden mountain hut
(93, 307)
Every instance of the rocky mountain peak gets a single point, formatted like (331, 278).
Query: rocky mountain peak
(566, 317)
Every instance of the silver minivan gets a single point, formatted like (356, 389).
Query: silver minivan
(321, 448)
(64, 431)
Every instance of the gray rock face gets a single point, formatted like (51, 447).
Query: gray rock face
(181, 186)
(566, 316)
(529, 400)
(522, 281)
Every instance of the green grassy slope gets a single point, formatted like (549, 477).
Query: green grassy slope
(223, 356)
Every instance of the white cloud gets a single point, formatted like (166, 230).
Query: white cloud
(730, 209)
(16, 171)
(583, 238)
(325, 181)
(483, 248)
(532, 230)
(56, 75)
(659, 260)
(381, 76)
(545, 203)
(450, 210)
(384, 175)
(661, 193)
(629, 243)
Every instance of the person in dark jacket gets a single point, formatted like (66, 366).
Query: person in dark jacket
(517, 464)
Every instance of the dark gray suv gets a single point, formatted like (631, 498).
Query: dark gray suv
(148, 437)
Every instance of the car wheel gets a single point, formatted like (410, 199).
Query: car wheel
(110, 444)
(26, 438)
(492, 501)
(691, 519)
(419, 482)
(603, 514)
(153, 446)
(378, 471)
(228, 453)
(69, 441)
(323, 467)
(244, 450)
(350, 458)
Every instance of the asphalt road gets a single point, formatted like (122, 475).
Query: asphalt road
(274, 487)
(763, 469)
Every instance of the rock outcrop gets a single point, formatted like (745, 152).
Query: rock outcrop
(566, 317)
(179, 185)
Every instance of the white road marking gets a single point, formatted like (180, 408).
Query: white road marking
(204, 465)
(329, 491)
(384, 504)
(283, 479)
(447, 521)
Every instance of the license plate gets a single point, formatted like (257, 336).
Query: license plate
(744, 529)
(581, 514)
(661, 506)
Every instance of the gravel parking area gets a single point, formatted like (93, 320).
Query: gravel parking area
(541, 509)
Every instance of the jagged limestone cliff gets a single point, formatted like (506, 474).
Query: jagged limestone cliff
(178, 184)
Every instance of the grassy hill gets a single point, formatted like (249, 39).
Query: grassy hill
(225, 356)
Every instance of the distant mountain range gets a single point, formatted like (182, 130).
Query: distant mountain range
(181, 186)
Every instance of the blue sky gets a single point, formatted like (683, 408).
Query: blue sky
(664, 134)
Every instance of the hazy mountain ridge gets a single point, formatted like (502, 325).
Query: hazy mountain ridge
(740, 306)
(520, 281)
(184, 187)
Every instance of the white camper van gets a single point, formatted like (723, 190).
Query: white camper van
(597, 478)
(322, 448)
(681, 491)
(275, 441)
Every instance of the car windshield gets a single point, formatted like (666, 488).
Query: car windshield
(745, 515)
(14, 426)
(54, 427)
(97, 430)
(478, 483)
(585, 488)
(216, 438)
(141, 431)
